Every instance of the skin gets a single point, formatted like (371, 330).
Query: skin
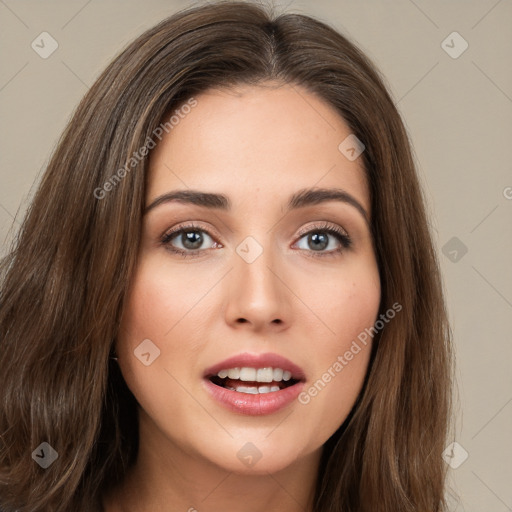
(257, 145)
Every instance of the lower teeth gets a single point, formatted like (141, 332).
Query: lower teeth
(254, 390)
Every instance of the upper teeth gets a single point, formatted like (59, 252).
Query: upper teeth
(256, 374)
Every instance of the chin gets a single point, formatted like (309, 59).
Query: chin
(257, 454)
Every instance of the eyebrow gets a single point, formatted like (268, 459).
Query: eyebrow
(300, 199)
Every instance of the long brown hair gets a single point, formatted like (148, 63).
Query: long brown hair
(65, 278)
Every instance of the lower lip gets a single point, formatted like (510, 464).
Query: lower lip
(254, 405)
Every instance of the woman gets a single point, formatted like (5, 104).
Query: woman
(225, 295)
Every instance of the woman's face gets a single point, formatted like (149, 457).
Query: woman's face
(262, 278)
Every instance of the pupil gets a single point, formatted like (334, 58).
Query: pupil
(192, 239)
(320, 241)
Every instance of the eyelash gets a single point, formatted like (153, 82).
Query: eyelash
(342, 237)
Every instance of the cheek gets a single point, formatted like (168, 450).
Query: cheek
(341, 304)
(159, 307)
(157, 304)
(166, 304)
(342, 336)
(161, 298)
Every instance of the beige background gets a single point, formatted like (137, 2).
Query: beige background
(458, 112)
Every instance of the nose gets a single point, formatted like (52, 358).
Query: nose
(258, 295)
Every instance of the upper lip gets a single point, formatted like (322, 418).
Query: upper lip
(256, 361)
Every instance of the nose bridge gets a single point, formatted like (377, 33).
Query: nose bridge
(257, 294)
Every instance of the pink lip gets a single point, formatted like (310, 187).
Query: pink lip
(260, 404)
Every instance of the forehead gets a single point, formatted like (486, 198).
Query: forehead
(270, 138)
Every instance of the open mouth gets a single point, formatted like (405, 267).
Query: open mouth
(254, 380)
(254, 384)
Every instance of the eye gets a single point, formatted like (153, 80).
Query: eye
(188, 240)
(323, 237)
